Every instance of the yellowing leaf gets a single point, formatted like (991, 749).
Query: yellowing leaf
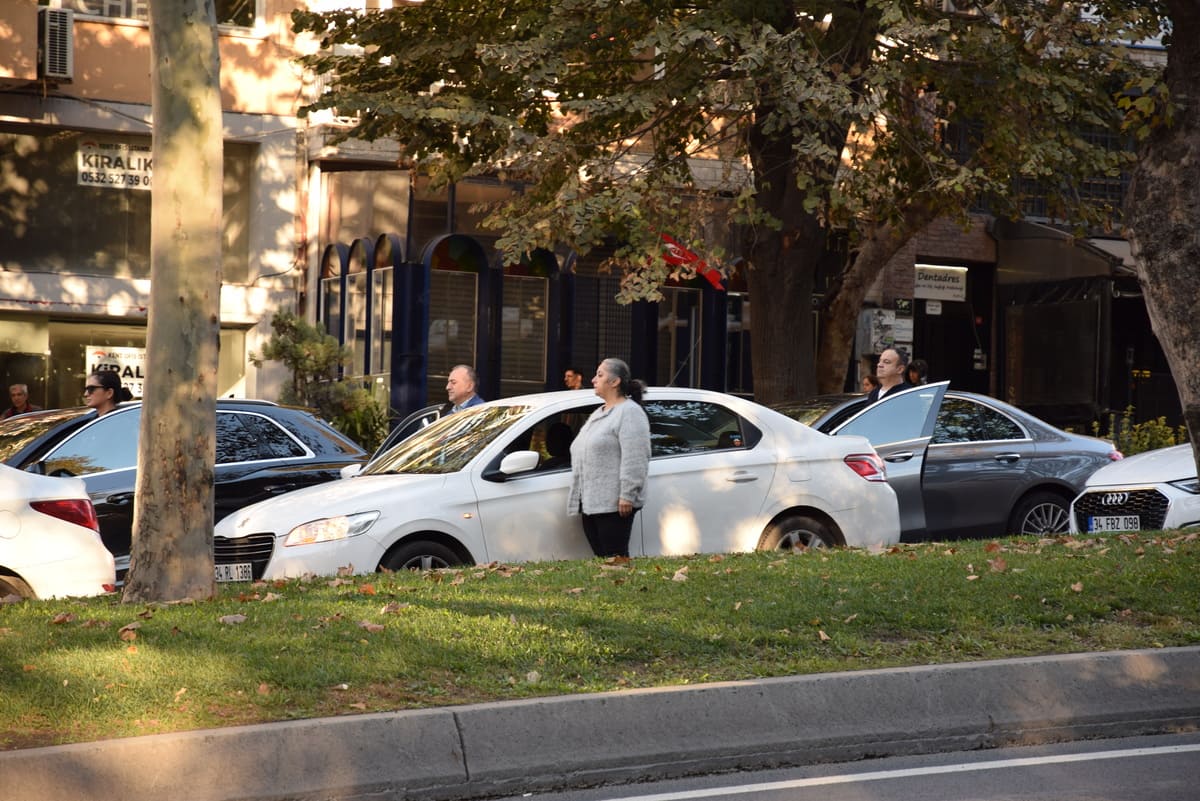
(824, 637)
(972, 577)
(1077, 586)
(680, 574)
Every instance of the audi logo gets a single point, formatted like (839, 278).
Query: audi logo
(1114, 498)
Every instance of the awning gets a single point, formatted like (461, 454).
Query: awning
(1029, 252)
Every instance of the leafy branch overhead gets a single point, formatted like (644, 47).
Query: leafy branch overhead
(605, 110)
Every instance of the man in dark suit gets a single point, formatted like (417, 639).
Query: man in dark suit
(460, 389)
(890, 371)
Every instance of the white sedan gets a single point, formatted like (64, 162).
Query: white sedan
(490, 484)
(49, 539)
(1146, 492)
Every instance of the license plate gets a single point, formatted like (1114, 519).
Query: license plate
(235, 572)
(1102, 523)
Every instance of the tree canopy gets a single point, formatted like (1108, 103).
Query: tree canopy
(808, 120)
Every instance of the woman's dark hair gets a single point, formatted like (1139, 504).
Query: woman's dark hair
(110, 380)
(921, 368)
(629, 387)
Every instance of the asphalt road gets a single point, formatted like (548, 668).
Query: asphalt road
(1159, 768)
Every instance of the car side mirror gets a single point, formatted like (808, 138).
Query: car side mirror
(351, 470)
(519, 462)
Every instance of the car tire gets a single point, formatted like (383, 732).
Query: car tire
(797, 532)
(11, 585)
(1040, 514)
(420, 555)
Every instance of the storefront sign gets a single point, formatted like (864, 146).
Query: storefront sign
(129, 363)
(114, 165)
(940, 283)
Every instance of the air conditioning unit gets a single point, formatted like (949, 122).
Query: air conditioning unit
(56, 44)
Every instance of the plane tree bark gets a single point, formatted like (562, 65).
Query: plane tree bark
(171, 557)
(1163, 207)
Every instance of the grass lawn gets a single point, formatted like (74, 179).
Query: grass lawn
(77, 670)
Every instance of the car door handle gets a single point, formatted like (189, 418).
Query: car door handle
(1007, 458)
(120, 499)
(903, 456)
(741, 477)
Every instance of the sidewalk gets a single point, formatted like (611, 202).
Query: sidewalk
(521, 746)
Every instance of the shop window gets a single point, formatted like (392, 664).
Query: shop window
(451, 326)
(523, 338)
(63, 210)
(241, 13)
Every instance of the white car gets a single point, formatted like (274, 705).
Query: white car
(1145, 492)
(49, 539)
(490, 484)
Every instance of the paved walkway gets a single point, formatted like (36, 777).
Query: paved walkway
(512, 747)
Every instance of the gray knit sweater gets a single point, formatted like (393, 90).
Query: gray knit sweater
(609, 460)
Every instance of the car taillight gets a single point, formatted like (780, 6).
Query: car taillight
(867, 465)
(79, 512)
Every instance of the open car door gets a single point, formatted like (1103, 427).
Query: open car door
(900, 427)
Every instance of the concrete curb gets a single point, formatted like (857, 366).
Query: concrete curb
(489, 749)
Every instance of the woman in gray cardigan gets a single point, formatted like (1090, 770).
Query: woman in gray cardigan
(609, 460)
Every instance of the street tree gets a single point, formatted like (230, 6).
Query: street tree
(829, 122)
(171, 556)
(1163, 205)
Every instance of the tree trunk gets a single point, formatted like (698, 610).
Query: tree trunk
(1162, 211)
(845, 299)
(171, 557)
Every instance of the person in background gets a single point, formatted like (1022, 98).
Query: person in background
(19, 395)
(918, 372)
(891, 370)
(610, 459)
(572, 378)
(103, 392)
(460, 389)
(869, 382)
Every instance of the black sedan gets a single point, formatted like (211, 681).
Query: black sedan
(263, 450)
(962, 464)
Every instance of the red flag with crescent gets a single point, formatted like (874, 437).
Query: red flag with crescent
(677, 255)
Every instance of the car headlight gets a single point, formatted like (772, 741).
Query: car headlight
(328, 529)
(1191, 485)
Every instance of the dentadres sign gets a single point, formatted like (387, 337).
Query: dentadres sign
(940, 283)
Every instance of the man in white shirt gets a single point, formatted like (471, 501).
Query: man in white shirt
(890, 371)
(460, 389)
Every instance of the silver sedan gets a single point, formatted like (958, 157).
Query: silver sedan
(963, 464)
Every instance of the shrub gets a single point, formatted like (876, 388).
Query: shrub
(1130, 437)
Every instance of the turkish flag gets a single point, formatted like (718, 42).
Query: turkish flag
(677, 255)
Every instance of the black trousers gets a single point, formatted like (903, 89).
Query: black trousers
(608, 533)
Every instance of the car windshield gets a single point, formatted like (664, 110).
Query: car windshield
(18, 432)
(448, 445)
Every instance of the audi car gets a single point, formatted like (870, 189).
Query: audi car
(1149, 491)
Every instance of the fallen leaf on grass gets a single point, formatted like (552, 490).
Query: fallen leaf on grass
(230, 620)
(180, 692)
(824, 637)
(128, 632)
(680, 574)
(271, 596)
(993, 547)
(359, 705)
(394, 608)
(367, 589)
(575, 591)
(61, 618)
(998, 565)
(533, 677)
(972, 577)
(367, 625)
(1077, 586)
(264, 689)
